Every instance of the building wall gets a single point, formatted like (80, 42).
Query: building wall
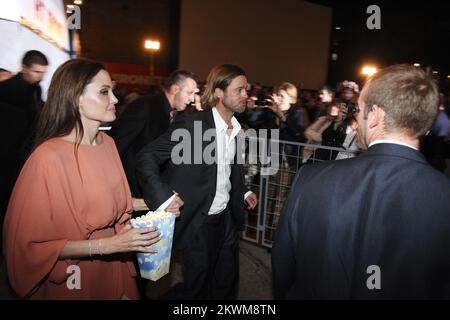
(114, 31)
(17, 39)
(253, 34)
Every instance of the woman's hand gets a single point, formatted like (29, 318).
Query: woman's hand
(130, 239)
(276, 100)
(139, 205)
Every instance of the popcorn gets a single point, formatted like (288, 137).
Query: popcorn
(155, 265)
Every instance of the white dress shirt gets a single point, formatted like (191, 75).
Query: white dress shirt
(226, 149)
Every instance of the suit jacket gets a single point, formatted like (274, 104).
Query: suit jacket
(385, 208)
(195, 183)
(144, 120)
(19, 93)
(12, 130)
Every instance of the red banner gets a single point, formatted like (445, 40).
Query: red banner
(134, 77)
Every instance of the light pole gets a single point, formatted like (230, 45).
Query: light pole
(153, 46)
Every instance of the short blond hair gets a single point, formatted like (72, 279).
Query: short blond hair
(408, 96)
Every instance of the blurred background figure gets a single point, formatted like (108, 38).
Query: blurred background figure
(20, 104)
(289, 120)
(23, 90)
(347, 90)
(313, 111)
(337, 127)
(436, 145)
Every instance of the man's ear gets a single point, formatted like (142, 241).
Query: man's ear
(218, 93)
(377, 117)
(25, 69)
(174, 89)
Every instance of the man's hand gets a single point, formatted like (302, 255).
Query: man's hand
(175, 206)
(139, 205)
(252, 201)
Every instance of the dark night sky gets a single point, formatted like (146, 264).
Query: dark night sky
(410, 32)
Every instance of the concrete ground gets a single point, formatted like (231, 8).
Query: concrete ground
(255, 275)
(255, 272)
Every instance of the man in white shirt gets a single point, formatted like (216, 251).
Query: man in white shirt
(376, 226)
(210, 194)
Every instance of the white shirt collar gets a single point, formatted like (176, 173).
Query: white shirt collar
(222, 126)
(393, 142)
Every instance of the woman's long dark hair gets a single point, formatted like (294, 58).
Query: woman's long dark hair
(60, 114)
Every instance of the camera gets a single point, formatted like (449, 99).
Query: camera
(352, 108)
(264, 100)
(349, 109)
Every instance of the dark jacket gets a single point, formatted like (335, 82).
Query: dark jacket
(144, 120)
(195, 183)
(385, 208)
(12, 131)
(292, 130)
(19, 93)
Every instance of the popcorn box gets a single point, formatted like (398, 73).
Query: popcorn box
(153, 266)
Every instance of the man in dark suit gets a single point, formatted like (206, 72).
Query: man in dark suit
(376, 226)
(204, 172)
(12, 131)
(20, 104)
(24, 92)
(146, 118)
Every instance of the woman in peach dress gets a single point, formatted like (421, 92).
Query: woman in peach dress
(66, 231)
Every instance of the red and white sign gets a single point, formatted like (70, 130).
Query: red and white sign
(134, 77)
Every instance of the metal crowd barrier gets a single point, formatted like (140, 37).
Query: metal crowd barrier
(273, 189)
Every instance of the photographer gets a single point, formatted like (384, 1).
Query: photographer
(277, 112)
(337, 128)
(256, 115)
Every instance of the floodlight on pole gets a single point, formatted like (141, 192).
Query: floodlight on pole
(153, 46)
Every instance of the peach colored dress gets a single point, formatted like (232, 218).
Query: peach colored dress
(56, 199)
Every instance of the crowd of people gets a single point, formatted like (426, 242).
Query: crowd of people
(78, 187)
